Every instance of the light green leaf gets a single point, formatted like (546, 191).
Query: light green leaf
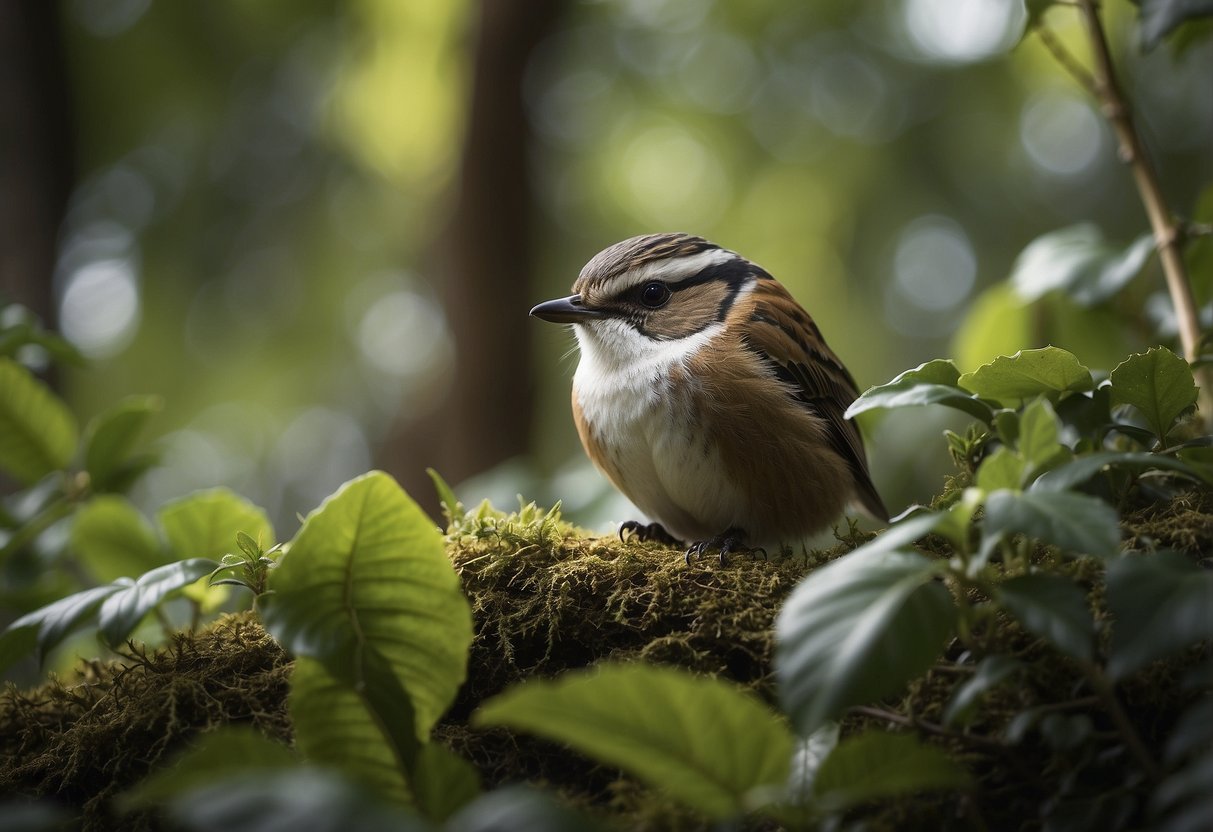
(1159, 384)
(1039, 437)
(1160, 605)
(856, 630)
(705, 741)
(1053, 608)
(1027, 373)
(111, 539)
(226, 753)
(1001, 469)
(451, 507)
(37, 432)
(122, 611)
(998, 322)
(110, 437)
(336, 726)
(1075, 522)
(877, 765)
(931, 383)
(442, 782)
(204, 524)
(368, 571)
(1078, 262)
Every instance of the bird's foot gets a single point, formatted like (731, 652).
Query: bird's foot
(728, 541)
(646, 532)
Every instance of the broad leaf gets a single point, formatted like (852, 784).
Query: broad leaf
(368, 570)
(998, 322)
(1047, 371)
(521, 808)
(122, 611)
(877, 765)
(37, 432)
(856, 630)
(705, 741)
(1077, 471)
(1078, 262)
(934, 382)
(1160, 605)
(110, 437)
(204, 524)
(1039, 438)
(223, 754)
(1159, 384)
(1002, 469)
(1053, 608)
(442, 782)
(1076, 523)
(111, 539)
(336, 726)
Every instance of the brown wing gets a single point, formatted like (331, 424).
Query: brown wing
(787, 339)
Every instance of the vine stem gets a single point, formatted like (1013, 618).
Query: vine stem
(1167, 231)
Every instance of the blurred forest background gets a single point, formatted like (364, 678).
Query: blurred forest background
(316, 227)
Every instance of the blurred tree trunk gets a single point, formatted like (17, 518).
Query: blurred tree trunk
(36, 162)
(484, 261)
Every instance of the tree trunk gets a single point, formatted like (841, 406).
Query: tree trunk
(484, 262)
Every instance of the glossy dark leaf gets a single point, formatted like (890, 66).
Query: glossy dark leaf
(1081, 469)
(521, 808)
(55, 622)
(1077, 523)
(990, 672)
(122, 611)
(1159, 384)
(856, 630)
(1053, 608)
(934, 382)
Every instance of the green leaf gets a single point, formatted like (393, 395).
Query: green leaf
(1160, 17)
(705, 741)
(122, 611)
(1078, 262)
(856, 630)
(443, 782)
(336, 726)
(204, 524)
(368, 569)
(877, 765)
(1053, 608)
(37, 432)
(111, 539)
(1076, 523)
(451, 507)
(990, 672)
(998, 322)
(301, 798)
(1027, 373)
(1039, 438)
(1001, 469)
(1159, 384)
(1079, 470)
(1160, 605)
(55, 622)
(222, 754)
(110, 437)
(521, 808)
(931, 383)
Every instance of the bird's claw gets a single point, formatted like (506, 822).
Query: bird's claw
(645, 532)
(725, 543)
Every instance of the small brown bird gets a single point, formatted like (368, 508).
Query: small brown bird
(707, 395)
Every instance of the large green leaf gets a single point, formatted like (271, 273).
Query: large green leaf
(204, 524)
(122, 611)
(1053, 608)
(368, 571)
(876, 765)
(37, 432)
(1077, 471)
(110, 437)
(336, 725)
(856, 630)
(1078, 262)
(1159, 384)
(998, 322)
(1077, 523)
(705, 741)
(1047, 371)
(111, 539)
(1160, 604)
(934, 382)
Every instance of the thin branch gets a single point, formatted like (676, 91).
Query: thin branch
(927, 727)
(1067, 60)
(1107, 697)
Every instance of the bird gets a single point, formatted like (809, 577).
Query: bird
(707, 395)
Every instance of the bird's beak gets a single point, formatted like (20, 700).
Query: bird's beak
(564, 311)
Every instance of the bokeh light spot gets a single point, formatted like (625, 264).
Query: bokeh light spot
(962, 31)
(1060, 132)
(99, 310)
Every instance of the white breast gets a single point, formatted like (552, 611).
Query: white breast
(649, 431)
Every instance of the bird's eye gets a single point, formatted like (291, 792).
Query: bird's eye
(655, 294)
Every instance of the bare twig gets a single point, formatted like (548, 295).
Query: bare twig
(1107, 697)
(1067, 60)
(927, 727)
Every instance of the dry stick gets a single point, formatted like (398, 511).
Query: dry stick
(1167, 236)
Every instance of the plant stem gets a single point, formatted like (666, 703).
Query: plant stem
(1167, 236)
(1107, 697)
